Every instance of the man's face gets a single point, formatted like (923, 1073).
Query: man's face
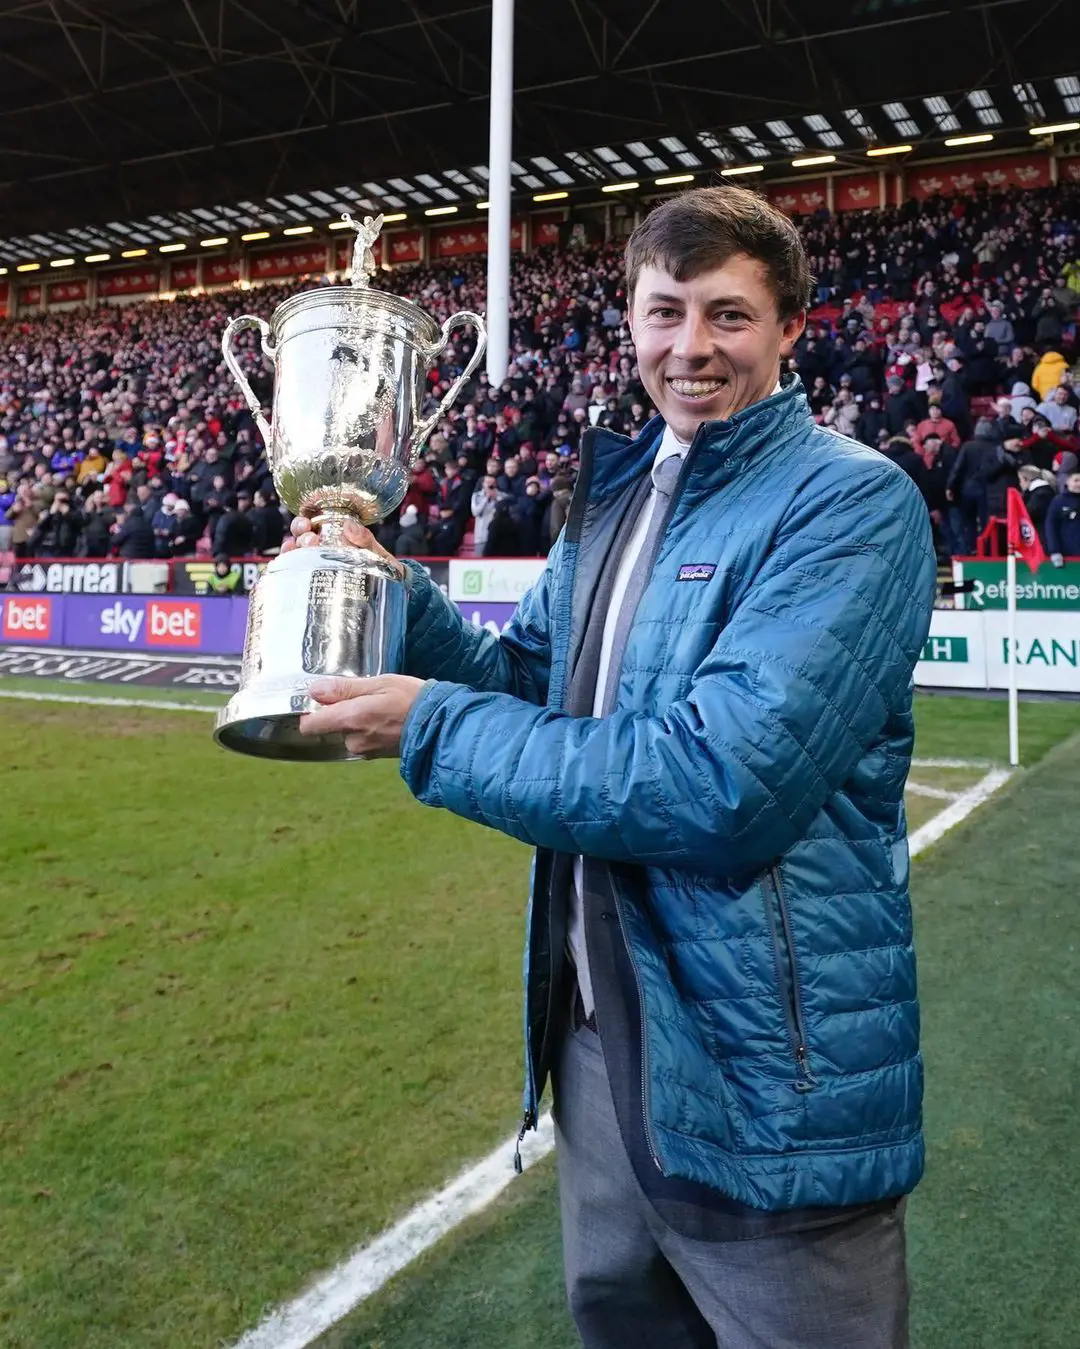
(1072, 483)
(1061, 395)
(710, 346)
(935, 412)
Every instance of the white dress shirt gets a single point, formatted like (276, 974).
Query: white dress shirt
(575, 931)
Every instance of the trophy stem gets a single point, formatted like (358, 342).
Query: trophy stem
(331, 526)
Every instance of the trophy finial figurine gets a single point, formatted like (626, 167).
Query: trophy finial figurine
(363, 258)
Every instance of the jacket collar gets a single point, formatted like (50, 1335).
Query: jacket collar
(617, 461)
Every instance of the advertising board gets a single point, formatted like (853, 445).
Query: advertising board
(495, 580)
(970, 649)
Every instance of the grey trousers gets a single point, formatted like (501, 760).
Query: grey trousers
(635, 1284)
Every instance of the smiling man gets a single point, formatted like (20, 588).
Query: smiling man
(701, 718)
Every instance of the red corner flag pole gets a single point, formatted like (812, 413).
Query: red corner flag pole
(1024, 542)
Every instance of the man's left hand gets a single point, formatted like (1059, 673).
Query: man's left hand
(370, 712)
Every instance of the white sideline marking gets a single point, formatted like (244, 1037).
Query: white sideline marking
(369, 1267)
(298, 1323)
(952, 763)
(938, 793)
(959, 810)
(29, 696)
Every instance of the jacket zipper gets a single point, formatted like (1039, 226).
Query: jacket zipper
(528, 1121)
(790, 982)
(646, 1092)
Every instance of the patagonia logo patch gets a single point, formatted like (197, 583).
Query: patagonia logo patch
(696, 571)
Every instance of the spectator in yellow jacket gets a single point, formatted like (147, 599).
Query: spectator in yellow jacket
(1048, 373)
(91, 467)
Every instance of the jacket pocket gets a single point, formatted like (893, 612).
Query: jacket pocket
(787, 976)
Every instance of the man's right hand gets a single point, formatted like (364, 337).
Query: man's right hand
(305, 535)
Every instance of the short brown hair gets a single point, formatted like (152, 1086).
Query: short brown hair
(699, 230)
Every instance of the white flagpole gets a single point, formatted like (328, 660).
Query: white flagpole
(501, 130)
(1014, 709)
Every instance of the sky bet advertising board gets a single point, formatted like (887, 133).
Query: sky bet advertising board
(177, 624)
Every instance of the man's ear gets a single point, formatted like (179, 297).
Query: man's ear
(793, 330)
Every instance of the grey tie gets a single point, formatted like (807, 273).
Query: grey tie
(665, 476)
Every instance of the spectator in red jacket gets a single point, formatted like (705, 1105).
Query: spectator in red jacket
(1044, 444)
(117, 479)
(423, 489)
(938, 424)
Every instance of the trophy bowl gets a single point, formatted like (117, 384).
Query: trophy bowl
(350, 375)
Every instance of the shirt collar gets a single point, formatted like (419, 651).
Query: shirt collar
(669, 445)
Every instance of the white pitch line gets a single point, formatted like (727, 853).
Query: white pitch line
(959, 810)
(937, 793)
(32, 697)
(952, 763)
(369, 1267)
(332, 1297)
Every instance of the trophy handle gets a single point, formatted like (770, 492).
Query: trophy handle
(458, 320)
(269, 351)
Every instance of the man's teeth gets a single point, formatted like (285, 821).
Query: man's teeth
(695, 388)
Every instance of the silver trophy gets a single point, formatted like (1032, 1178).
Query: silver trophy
(350, 367)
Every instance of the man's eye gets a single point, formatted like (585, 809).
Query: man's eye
(732, 316)
(665, 313)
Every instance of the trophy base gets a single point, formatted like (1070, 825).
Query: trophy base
(267, 726)
(316, 613)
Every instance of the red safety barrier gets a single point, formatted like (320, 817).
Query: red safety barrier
(991, 543)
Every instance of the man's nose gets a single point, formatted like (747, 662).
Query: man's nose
(693, 338)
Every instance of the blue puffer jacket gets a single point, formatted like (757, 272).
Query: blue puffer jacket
(747, 792)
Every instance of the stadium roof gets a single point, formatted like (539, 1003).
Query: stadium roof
(124, 121)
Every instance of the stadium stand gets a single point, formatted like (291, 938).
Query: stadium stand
(942, 333)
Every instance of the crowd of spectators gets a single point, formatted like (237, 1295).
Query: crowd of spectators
(942, 335)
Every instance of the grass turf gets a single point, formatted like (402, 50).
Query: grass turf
(994, 1232)
(247, 1014)
(951, 726)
